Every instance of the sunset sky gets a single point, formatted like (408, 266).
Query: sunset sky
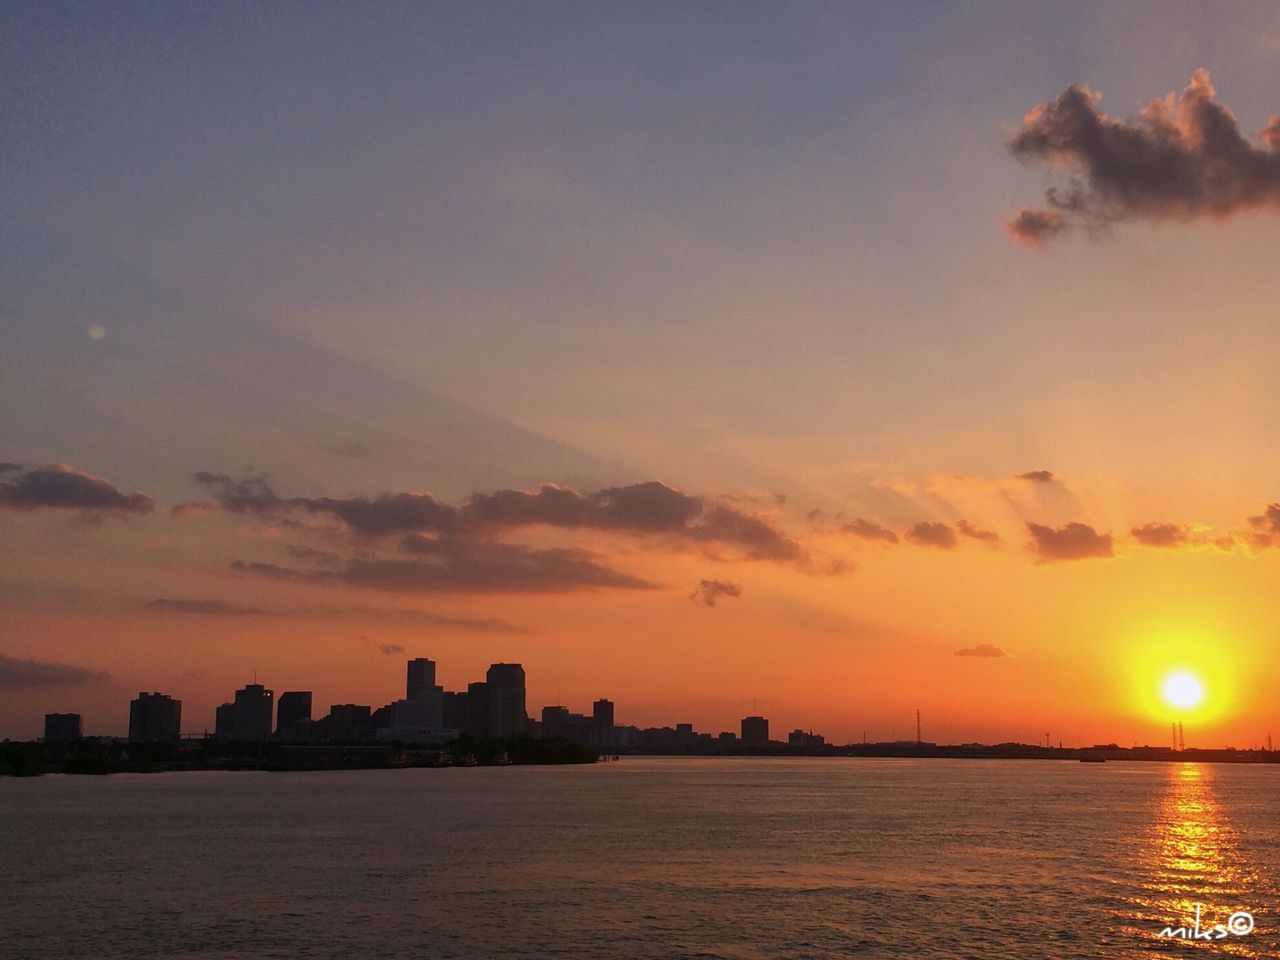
(822, 361)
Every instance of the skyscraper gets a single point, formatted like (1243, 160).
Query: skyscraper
(507, 717)
(292, 710)
(422, 676)
(154, 718)
(755, 731)
(602, 713)
(249, 717)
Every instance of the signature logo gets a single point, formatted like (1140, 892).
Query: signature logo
(1239, 924)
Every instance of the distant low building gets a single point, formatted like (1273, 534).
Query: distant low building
(62, 727)
(154, 718)
(806, 741)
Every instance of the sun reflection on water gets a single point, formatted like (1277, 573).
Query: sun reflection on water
(1196, 860)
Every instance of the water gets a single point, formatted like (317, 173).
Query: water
(646, 858)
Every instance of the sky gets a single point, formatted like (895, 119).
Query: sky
(824, 361)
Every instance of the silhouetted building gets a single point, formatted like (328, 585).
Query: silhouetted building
(421, 675)
(249, 717)
(154, 718)
(62, 727)
(346, 721)
(293, 713)
(454, 710)
(806, 741)
(476, 719)
(505, 683)
(755, 731)
(602, 713)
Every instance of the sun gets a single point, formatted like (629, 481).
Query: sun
(1182, 690)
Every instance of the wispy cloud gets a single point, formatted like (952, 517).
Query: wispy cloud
(18, 674)
(709, 591)
(217, 608)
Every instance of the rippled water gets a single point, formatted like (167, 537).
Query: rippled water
(643, 858)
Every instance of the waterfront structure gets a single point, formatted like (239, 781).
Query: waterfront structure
(755, 731)
(62, 727)
(249, 716)
(293, 713)
(154, 718)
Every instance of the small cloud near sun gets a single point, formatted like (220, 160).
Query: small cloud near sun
(981, 650)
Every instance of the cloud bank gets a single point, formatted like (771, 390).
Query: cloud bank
(60, 487)
(1075, 541)
(24, 674)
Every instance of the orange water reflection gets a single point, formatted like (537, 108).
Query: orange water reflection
(1196, 862)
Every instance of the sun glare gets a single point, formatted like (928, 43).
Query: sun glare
(1183, 691)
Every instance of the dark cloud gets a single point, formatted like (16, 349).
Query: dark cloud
(15, 673)
(981, 650)
(977, 533)
(1161, 535)
(203, 607)
(60, 487)
(866, 530)
(650, 508)
(1183, 157)
(443, 565)
(391, 649)
(709, 591)
(1264, 529)
(1037, 476)
(926, 534)
(1075, 541)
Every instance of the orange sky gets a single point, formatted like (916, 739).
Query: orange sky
(844, 315)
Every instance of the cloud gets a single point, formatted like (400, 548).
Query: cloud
(1075, 541)
(989, 537)
(60, 487)
(1034, 227)
(202, 607)
(981, 650)
(1161, 535)
(1183, 157)
(709, 591)
(1264, 529)
(1037, 476)
(15, 674)
(391, 649)
(866, 530)
(641, 509)
(444, 565)
(925, 534)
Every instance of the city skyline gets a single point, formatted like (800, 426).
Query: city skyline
(826, 366)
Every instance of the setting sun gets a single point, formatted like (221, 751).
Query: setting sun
(1183, 691)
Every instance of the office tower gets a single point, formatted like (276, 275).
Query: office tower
(347, 721)
(249, 717)
(507, 717)
(62, 727)
(154, 718)
(293, 712)
(755, 731)
(602, 713)
(454, 710)
(476, 718)
(421, 677)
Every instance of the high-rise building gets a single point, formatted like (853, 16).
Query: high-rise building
(293, 713)
(62, 727)
(154, 718)
(476, 718)
(507, 717)
(347, 721)
(602, 713)
(249, 717)
(421, 677)
(755, 731)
